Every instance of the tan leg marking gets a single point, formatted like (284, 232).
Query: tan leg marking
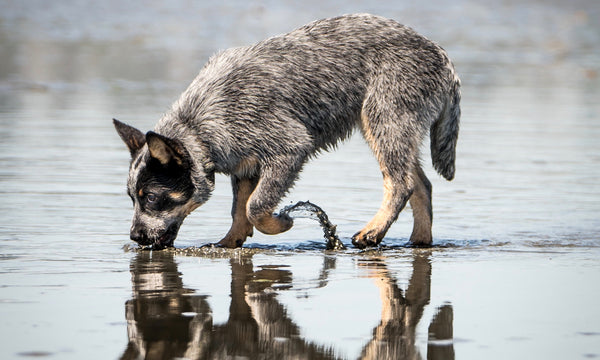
(241, 227)
(420, 202)
(272, 224)
(375, 230)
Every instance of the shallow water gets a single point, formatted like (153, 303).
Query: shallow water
(515, 266)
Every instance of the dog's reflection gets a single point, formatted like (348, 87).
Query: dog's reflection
(166, 320)
(401, 311)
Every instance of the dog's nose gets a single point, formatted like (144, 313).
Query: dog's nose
(136, 234)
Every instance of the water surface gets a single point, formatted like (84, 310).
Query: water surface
(515, 266)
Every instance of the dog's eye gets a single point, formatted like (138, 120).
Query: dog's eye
(150, 197)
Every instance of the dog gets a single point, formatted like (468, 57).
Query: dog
(258, 113)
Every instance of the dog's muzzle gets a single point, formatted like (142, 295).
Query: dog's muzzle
(166, 239)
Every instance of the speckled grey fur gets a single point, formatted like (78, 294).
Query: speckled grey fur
(262, 111)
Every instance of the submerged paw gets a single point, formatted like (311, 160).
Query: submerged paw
(365, 239)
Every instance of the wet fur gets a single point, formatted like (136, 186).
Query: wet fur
(258, 113)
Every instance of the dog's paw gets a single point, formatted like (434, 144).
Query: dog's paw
(272, 224)
(236, 236)
(421, 239)
(230, 243)
(364, 239)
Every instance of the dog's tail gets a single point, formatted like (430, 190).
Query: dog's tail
(444, 132)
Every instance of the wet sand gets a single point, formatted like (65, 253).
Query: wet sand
(514, 269)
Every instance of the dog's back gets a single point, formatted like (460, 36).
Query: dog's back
(303, 91)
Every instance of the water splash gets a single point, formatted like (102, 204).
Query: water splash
(306, 209)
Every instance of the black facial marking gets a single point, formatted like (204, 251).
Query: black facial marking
(156, 182)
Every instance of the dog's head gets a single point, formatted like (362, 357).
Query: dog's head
(163, 185)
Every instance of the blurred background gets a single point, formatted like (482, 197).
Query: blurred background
(112, 45)
(528, 155)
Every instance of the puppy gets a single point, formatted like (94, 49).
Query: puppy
(258, 113)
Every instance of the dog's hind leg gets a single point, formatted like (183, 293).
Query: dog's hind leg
(397, 190)
(241, 227)
(420, 202)
(273, 184)
(394, 136)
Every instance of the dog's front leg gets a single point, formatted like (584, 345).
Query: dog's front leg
(241, 227)
(272, 186)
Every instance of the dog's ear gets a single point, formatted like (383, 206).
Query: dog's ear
(166, 150)
(133, 138)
